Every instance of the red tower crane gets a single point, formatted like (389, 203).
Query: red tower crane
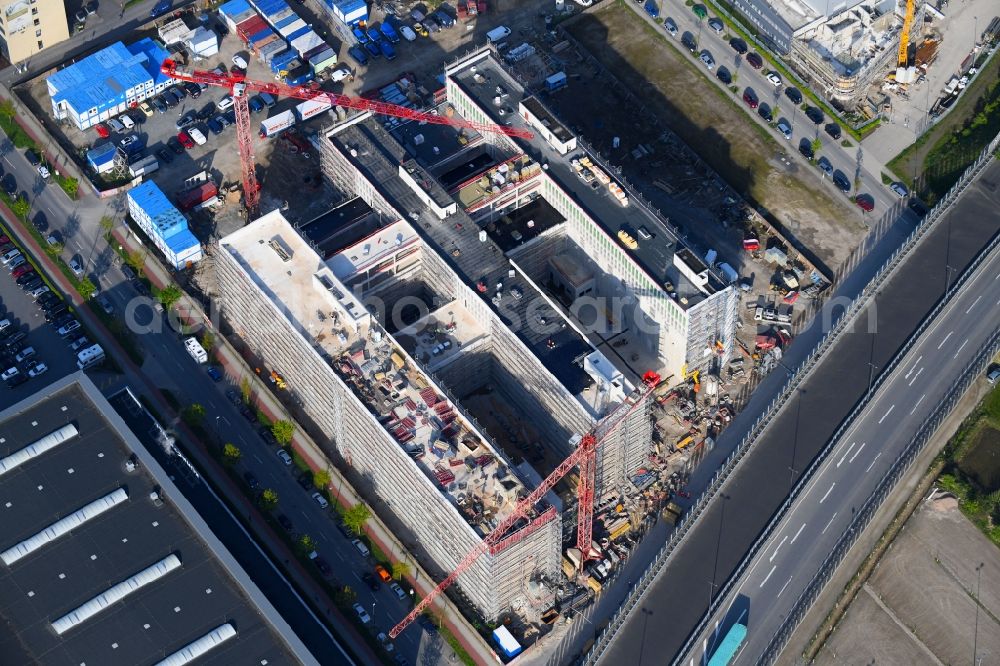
(241, 87)
(584, 457)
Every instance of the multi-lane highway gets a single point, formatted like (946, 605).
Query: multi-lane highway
(787, 562)
(672, 606)
(850, 161)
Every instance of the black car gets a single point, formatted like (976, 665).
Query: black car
(47, 297)
(56, 312)
(168, 99)
(371, 581)
(805, 147)
(165, 155)
(17, 379)
(62, 321)
(814, 114)
(32, 284)
(178, 92)
(222, 120)
(688, 40)
(247, 413)
(793, 94)
(16, 339)
(268, 436)
(755, 60)
(32, 158)
(764, 111)
(251, 480)
(10, 184)
(724, 75)
(207, 111)
(25, 278)
(285, 522)
(841, 181)
(833, 129)
(192, 89)
(738, 45)
(305, 480)
(159, 104)
(188, 119)
(214, 126)
(175, 145)
(230, 115)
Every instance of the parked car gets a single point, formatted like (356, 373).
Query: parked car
(670, 27)
(825, 166)
(764, 111)
(34, 283)
(755, 60)
(362, 614)
(159, 104)
(102, 130)
(26, 278)
(105, 304)
(407, 33)
(256, 106)
(805, 147)
(716, 25)
(359, 55)
(785, 129)
(285, 522)
(214, 373)
(750, 98)
(319, 499)
(68, 328)
(723, 75)
(240, 62)
(175, 145)
(814, 114)
(251, 480)
(192, 89)
(79, 343)
(35, 368)
(146, 109)
(738, 45)
(865, 202)
(164, 156)
(841, 181)
(707, 59)
(793, 94)
(833, 129)
(9, 372)
(284, 457)
(197, 136)
(74, 265)
(185, 140)
(188, 119)
(774, 78)
(900, 189)
(371, 582)
(397, 590)
(25, 354)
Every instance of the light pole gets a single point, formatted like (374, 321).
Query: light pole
(795, 441)
(718, 547)
(975, 635)
(645, 620)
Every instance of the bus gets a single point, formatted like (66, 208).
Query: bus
(90, 357)
(729, 646)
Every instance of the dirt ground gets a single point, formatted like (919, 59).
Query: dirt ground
(920, 606)
(743, 154)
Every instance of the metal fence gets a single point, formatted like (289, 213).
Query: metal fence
(798, 376)
(875, 500)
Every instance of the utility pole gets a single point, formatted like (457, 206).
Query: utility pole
(975, 635)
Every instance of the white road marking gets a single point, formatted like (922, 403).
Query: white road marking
(915, 376)
(829, 523)
(784, 586)
(915, 364)
(873, 462)
(828, 492)
(777, 548)
(857, 452)
(798, 533)
(917, 403)
(768, 576)
(945, 339)
(973, 304)
(846, 453)
(884, 416)
(961, 348)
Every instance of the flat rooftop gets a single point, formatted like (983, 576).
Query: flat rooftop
(482, 187)
(464, 167)
(208, 589)
(427, 183)
(341, 227)
(452, 455)
(439, 337)
(543, 330)
(537, 109)
(654, 254)
(431, 144)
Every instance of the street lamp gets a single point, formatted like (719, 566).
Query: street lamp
(645, 620)
(718, 547)
(975, 636)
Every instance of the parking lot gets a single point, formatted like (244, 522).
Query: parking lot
(28, 343)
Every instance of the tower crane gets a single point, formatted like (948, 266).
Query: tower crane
(584, 457)
(904, 74)
(241, 88)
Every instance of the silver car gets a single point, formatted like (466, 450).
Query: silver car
(706, 58)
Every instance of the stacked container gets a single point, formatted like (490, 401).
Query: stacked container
(235, 12)
(280, 61)
(276, 47)
(321, 58)
(288, 28)
(306, 42)
(250, 26)
(351, 11)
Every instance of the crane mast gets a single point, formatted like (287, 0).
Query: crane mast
(241, 87)
(583, 456)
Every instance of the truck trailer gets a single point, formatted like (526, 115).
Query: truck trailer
(277, 124)
(195, 349)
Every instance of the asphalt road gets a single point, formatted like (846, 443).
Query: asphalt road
(850, 161)
(679, 596)
(786, 564)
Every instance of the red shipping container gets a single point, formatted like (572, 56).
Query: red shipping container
(188, 199)
(249, 27)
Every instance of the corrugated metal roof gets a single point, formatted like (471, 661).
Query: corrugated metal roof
(101, 154)
(168, 222)
(235, 7)
(102, 79)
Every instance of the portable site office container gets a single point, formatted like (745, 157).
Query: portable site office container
(250, 26)
(323, 61)
(144, 167)
(351, 11)
(279, 61)
(286, 21)
(271, 6)
(293, 26)
(291, 37)
(268, 53)
(269, 37)
(277, 17)
(306, 42)
(240, 18)
(315, 51)
(233, 10)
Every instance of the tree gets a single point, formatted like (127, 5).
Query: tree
(995, 516)
(208, 340)
(107, 224)
(817, 146)
(135, 260)
(356, 517)
(7, 110)
(231, 453)
(269, 499)
(169, 295)
(401, 569)
(321, 479)
(193, 414)
(86, 289)
(20, 207)
(54, 249)
(283, 431)
(245, 389)
(70, 185)
(306, 544)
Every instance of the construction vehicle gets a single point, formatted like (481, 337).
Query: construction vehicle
(241, 88)
(585, 458)
(905, 73)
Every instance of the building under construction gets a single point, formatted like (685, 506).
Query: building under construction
(468, 315)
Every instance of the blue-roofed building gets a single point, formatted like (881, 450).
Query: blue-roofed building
(102, 158)
(104, 84)
(164, 224)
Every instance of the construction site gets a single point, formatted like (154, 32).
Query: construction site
(517, 360)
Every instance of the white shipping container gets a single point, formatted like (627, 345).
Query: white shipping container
(313, 107)
(292, 27)
(277, 123)
(145, 166)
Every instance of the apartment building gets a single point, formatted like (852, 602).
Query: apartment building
(29, 26)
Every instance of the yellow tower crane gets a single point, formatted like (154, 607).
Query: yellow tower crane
(905, 73)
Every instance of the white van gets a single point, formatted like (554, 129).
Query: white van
(127, 121)
(197, 136)
(340, 74)
(225, 103)
(497, 34)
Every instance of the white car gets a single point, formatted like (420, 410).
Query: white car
(358, 608)
(320, 500)
(8, 373)
(340, 74)
(80, 343)
(69, 328)
(382, 638)
(407, 33)
(706, 58)
(43, 171)
(197, 136)
(240, 61)
(75, 266)
(785, 129)
(899, 189)
(397, 590)
(225, 103)
(10, 256)
(285, 458)
(25, 354)
(774, 79)
(35, 368)
(126, 121)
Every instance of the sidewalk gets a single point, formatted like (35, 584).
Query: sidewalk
(340, 488)
(193, 447)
